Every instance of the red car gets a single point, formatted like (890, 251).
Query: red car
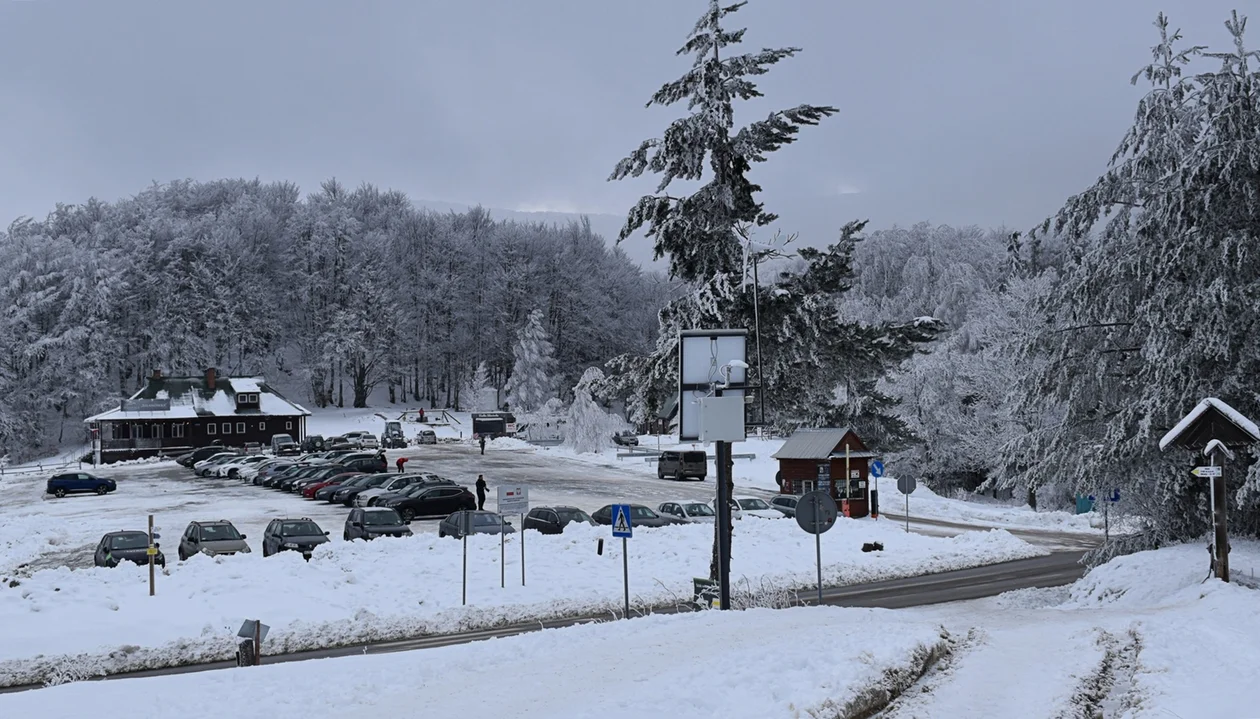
(310, 490)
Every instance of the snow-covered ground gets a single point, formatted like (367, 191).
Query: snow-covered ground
(823, 662)
(356, 592)
(1143, 637)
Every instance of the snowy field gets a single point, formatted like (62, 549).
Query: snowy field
(661, 666)
(358, 592)
(1143, 637)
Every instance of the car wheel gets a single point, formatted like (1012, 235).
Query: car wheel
(59, 492)
(680, 476)
(345, 536)
(102, 489)
(408, 515)
(232, 473)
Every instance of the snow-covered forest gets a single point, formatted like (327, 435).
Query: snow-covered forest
(339, 294)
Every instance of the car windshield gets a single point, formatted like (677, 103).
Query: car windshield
(138, 540)
(356, 482)
(642, 513)
(376, 482)
(299, 529)
(218, 532)
(752, 504)
(573, 515)
(387, 516)
(698, 510)
(487, 520)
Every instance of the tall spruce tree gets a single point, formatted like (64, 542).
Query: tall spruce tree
(1158, 307)
(533, 373)
(700, 233)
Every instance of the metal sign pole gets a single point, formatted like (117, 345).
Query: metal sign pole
(502, 553)
(907, 514)
(522, 549)
(625, 571)
(464, 599)
(152, 557)
(721, 452)
(818, 545)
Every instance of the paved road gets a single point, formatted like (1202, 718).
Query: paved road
(1050, 571)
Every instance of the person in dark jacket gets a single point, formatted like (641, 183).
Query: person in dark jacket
(483, 444)
(481, 492)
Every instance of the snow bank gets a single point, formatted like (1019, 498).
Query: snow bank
(1164, 577)
(755, 664)
(359, 592)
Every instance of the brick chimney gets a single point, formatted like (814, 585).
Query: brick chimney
(210, 376)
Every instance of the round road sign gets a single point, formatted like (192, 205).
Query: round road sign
(877, 469)
(816, 512)
(906, 485)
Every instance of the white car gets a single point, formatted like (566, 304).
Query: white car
(690, 512)
(754, 507)
(214, 458)
(233, 468)
(252, 470)
(367, 498)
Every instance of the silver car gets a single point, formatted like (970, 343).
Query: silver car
(211, 539)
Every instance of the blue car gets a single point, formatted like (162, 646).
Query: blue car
(63, 484)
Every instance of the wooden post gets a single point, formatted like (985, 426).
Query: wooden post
(1221, 538)
(258, 643)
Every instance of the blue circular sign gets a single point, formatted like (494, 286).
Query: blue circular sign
(877, 469)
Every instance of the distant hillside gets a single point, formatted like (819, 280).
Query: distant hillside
(637, 248)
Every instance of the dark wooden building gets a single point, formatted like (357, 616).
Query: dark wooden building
(835, 460)
(171, 415)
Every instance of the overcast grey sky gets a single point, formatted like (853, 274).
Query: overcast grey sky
(981, 112)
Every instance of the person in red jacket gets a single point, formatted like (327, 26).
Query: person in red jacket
(401, 461)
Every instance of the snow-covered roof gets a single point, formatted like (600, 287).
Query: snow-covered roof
(811, 443)
(1233, 415)
(192, 397)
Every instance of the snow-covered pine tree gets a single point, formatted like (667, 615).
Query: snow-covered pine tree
(588, 426)
(700, 233)
(1157, 308)
(533, 371)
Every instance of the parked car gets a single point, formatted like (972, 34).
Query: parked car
(60, 485)
(553, 520)
(626, 439)
(199, 454)
(689, 512)
(313, 443)
(274, 479)
(207, 467)
(283, 445)
(318, 472)
(369, 464)
(252, 472)
(425, 481)
(253, 447)
(682, 465)
(373, 522)
(474, 522)
(297, 535)
(426, 436)
(368, 497)
(640, 516)
(757, 507)
(346, 494)
(309, 490)
(325, 494)
(117, 547)
(211, 539)
(218, 456)
(358, 439)
(232, 469)
(435, 500)
(785, 503)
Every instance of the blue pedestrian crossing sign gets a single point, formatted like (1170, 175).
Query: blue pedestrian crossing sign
(877, 469)
(621, 526)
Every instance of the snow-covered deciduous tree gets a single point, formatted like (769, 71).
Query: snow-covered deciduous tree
(533, 373)
(476, 394)
(1157, 305)
(588, 426)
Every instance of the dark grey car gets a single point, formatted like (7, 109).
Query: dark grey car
(296, 535)
(785, 503)
(132, 546)
(211, 539)
(474, 521)
(640, 516)
(373, 522)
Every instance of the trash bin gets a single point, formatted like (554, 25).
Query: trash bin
(875, 503)
(1084, 504)
(245, 653)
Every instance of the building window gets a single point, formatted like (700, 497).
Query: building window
(253, 399)
(210, 428)
(262, 426)
(177, 430)
(288, 425)
(227, 428)
(157, 431)
(240, 428)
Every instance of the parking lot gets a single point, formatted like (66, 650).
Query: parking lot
(45, 532)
